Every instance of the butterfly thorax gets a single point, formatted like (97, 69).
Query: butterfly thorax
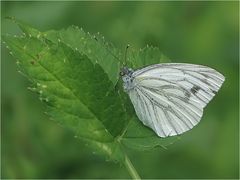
(127, 78)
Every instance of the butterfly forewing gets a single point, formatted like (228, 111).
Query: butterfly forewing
(169, 98)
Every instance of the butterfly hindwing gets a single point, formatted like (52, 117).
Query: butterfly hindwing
(169, 98)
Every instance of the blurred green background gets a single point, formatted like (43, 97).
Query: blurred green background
(195, 32)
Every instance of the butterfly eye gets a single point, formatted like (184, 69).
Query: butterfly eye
(121, 73)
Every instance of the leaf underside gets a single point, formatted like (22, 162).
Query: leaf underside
(76, 76)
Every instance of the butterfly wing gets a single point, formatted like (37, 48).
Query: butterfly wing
(169, 98)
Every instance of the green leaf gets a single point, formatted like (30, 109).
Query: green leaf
(76, 75)
(26, 29)
(146, 56)
(67, 81)
(95, 47)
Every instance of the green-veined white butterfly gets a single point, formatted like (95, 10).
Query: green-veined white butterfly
(170, 97)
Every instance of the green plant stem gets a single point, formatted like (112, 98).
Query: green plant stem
(129, 166)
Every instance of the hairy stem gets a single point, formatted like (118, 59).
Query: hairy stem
(129, 166)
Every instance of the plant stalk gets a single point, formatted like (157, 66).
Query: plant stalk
(129, 166)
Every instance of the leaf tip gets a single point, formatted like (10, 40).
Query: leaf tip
(12, 18)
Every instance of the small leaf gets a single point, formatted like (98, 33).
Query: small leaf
(146, 56)
(95, 47)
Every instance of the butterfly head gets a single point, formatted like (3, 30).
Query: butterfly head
(125, 71)
(126, 74)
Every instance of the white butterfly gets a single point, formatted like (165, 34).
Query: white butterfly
(170, 97)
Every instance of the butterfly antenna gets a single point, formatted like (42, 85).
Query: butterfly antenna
(125, 56)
